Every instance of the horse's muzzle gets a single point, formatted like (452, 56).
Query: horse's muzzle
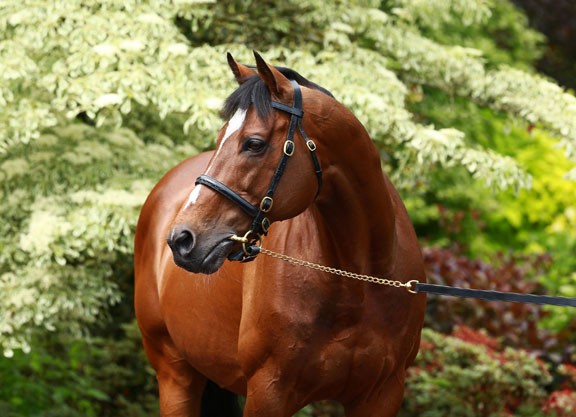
(204, 256)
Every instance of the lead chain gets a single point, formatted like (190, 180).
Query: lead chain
(311, 265)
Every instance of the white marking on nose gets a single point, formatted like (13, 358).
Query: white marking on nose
(193, 197)
(234, 125)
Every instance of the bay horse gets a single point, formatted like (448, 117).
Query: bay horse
(294, 165)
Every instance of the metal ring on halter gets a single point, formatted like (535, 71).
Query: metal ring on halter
(247, 246)
(246, 241)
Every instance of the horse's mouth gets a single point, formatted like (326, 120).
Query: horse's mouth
(208, 264)
(216, 257)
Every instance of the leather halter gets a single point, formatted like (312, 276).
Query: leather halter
(261, 223)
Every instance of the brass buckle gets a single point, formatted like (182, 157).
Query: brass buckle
(266, 204)
(311, 145)
(289, 148)
(265, 224)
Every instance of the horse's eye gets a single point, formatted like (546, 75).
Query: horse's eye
(254, 146)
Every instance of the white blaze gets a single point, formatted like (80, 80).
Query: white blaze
(193, 196)
(234, 124)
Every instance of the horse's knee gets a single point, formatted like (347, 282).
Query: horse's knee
(268, 397)
(180, 386)
(180, 392)
(385, 402)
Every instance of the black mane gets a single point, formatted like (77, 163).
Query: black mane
(253, 91)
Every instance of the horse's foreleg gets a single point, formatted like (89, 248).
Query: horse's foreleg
(268, 397)
(180, 392)
(180, 386)
(384, 401)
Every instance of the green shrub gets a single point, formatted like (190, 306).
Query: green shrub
(106, 376)
(468, 375)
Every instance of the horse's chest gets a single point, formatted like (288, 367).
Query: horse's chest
(321, 350)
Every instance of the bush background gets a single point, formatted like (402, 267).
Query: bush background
(470, 103)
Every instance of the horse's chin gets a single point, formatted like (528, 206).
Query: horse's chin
(208, 264)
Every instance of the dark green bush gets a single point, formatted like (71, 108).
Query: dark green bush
(468, 375)
(104, 377)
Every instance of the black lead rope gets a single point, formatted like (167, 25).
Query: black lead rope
(493, 295)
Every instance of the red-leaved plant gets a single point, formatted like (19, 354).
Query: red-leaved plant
(562, 402)
(469, 374)
(515, 324)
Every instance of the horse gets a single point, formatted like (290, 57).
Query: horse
(294, 172)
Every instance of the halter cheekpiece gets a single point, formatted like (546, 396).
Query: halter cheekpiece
(261, 224)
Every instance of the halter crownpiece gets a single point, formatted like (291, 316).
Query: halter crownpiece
(252, 240)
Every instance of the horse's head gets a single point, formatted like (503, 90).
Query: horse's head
(265, 169)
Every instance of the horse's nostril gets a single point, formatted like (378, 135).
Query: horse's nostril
(182, 241)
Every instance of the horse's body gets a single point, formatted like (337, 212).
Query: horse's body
(280, 334)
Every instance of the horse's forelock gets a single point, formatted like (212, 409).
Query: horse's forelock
(253, 91)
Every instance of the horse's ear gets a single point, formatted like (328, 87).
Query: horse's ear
(241, 72)
(277, 83)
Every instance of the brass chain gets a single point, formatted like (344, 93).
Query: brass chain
(368, 278)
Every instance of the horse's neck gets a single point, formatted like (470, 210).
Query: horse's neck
(350, 226)
(358, 212)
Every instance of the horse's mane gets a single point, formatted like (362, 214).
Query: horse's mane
(253, 91)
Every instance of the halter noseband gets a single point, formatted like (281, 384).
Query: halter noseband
(261, 223)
